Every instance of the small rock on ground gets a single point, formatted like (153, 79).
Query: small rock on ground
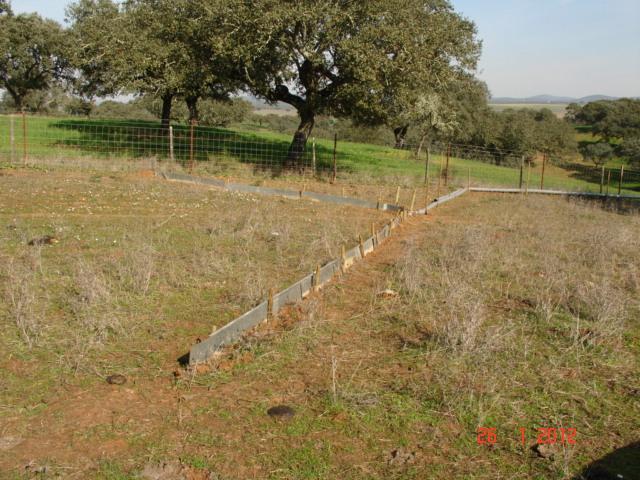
(174, 471)
(116, 379)
(281, 411)
(46, 240)
(401, 457)
(544, 451)
(388, 294)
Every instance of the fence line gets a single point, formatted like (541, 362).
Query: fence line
(217, 151)
(268, 309)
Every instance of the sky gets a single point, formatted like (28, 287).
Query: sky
(569, 48)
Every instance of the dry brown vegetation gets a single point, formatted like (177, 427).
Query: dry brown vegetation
(138, 269)
(512, 312)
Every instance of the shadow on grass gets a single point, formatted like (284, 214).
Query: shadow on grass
(630, 179)
(216, 145)
(623, 463)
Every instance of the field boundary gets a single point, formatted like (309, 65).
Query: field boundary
(281, 192)
(203, 351)
(537, 191)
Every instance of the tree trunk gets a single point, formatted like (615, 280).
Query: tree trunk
(299, 143)
(401, 136)
(166, 110)
(192, 105)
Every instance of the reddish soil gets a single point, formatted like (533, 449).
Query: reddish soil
(155, 406)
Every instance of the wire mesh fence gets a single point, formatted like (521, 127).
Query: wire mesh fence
(114, 144)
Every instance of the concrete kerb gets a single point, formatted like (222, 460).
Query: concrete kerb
(440, 201)
(554, 192)
(231, 332)
(280, 192)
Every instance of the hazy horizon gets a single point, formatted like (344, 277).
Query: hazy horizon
(563, 48)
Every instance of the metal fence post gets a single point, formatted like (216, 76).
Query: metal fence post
(25, 152)
(620, 181)
(12, 137)
(544, 162)
(521, 171)
(191, 146)
(446, 172)
(426, 167)
(171, 151)
(313, 156)
(335, 153)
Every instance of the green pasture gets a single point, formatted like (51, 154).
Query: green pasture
(264, 150)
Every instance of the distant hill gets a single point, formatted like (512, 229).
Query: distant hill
(550, 99)
(260, 104)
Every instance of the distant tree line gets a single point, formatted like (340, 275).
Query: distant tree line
(405, 67)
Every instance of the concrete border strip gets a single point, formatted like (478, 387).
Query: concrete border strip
(231, 332)
(554, 192)
(280, 192)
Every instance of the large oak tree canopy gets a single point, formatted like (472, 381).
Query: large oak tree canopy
(33, 54)
(363, 60)
(154, 47)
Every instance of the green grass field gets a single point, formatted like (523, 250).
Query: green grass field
(227, 151)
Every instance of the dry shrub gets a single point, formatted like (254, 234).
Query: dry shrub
(444, 285)
(20, 294)
(600, 312)
(92, 305)
(136, 270)
(464, 316)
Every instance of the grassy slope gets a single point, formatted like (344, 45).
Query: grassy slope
(108, 139)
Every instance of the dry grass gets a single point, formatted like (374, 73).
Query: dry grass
(140, 266)
(512, 312)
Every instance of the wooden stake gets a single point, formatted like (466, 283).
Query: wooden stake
(361, 245)
(397, 196)
(602, 181)
(379, 204)
(316, 279)
(608, 181)
(469, 179)
(526, 192)
(620, 182)
(544, 162)
(270, 313)
(373, 231)
(413, 200)
(343, 257)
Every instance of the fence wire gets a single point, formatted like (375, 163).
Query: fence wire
(217, 151)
